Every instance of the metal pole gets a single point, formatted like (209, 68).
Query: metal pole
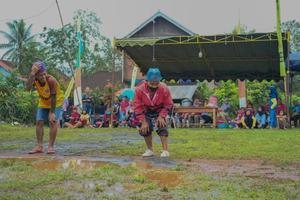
(113, 84)
(65, 35)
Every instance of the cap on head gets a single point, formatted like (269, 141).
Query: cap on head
(41, 65)
(153, 74)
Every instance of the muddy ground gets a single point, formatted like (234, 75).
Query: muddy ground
(164, 178)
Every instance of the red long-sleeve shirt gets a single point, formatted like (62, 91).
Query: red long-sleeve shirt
(161, 102)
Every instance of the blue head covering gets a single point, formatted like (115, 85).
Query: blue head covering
(41, 65)
(153, 74)
(273, 93)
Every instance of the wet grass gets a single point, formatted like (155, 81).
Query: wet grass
(23, 180)
(20, 180)
(278, 146)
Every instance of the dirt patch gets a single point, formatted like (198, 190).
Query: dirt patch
(165, 178)
(247, 168)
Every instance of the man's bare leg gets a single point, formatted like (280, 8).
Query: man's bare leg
(52, 136)
(39, 131)
(164, 142)
(148, 141)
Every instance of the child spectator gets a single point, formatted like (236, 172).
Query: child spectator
(248, 120)
(281, 107)
(73, 119)
(237, 122)
(83, 121)
(261, 118)
(282, 120)
(98, 121)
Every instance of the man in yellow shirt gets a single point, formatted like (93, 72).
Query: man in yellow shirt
(49, 106)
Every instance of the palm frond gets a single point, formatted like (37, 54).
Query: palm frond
(8, 36)
(5, 46)
(7, 53)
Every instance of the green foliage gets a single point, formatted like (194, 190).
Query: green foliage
(19, 39)
(227, 91)
(293, 27)
(258, 92)
(203, 91)
(62, 45)
(15, 103)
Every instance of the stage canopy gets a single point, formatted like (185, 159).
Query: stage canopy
(216, 57)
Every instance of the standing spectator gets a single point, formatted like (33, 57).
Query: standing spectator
(87, 101)
(124, 107)
(261, 118)
(296, 113)
(248, 120)
(273, 105)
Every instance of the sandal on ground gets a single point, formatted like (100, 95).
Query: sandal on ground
(51, 151)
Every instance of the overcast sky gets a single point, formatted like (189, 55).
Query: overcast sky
(119, 17)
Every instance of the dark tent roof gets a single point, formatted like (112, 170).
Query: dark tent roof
(251, 56)
(294, 62)
(162, 42)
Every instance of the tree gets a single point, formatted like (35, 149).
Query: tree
(62, 45)
(293, 27)
(227, 90)
(19, 38)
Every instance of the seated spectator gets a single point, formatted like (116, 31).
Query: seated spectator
(73, 118)
(83, 121)
(237, 122)
(107, 119)
(98, 121)
(188, 81)
(132, 121)
(222, 119)
(248, 120)
(282, 120)
(180, 81)
(295, 113)
(281, 107)
(250, 107)
(261, 118)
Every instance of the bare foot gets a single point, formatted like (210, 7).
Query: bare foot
(37, 149)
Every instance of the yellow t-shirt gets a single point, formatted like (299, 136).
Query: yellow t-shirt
(51, 87)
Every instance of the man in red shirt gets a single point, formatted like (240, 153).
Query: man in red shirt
(152, 103)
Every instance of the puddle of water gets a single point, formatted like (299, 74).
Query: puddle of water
(74, 164)
(164, 178)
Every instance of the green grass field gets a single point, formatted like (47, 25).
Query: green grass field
(21, 179)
